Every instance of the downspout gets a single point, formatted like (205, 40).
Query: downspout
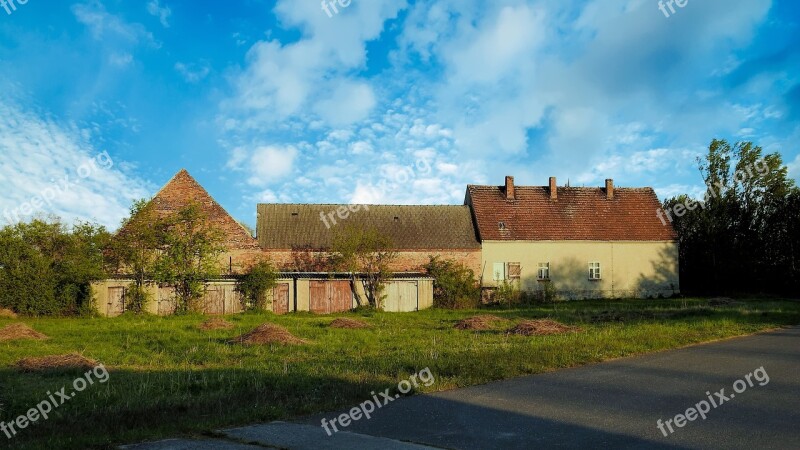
(294, 282)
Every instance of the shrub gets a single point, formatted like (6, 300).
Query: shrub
(454, 285)
(508, 294)
(256, 284)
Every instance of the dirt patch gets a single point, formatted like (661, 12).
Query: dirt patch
(72, 361)
(483, 322)
(344, 322)
(215, 323)
(268, 333)
(17, 331)
(7, 314)
(541, 327)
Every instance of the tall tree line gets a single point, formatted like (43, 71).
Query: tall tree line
(743, 235)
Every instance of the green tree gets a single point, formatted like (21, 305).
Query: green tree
(256, 284)
(366, 255)
(454, 285)
(47, 269)
(190, 247)
(134, 250)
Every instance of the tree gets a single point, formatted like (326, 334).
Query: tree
(189, 250)
(743, 236)
(134, 252)
(454, 285)
(47, 268)
(256, 284)
(367, 256)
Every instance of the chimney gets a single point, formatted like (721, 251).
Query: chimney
(510, 188)
(610, 189)
(553, 189)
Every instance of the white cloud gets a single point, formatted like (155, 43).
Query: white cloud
(45, 163)
(163, 13)
(193, 73)
(270, 163)
(104, 25)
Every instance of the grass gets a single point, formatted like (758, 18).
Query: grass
(168, 378)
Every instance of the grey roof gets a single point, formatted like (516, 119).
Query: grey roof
(285, 226)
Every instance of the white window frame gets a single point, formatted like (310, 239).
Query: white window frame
(595, 272)
(546, 267)
(499, 271)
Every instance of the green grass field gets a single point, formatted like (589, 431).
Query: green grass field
(168, 378)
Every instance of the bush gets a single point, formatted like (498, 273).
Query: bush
(454, 285)
(256, 284)
(508, 294)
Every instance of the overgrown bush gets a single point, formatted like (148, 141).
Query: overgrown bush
(137, 297)
(255, 286)
(508, 294)
(46, 268)
(454, 285)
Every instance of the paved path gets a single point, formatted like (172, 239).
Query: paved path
(610, 405)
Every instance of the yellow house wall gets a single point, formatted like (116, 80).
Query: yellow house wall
(628, 268)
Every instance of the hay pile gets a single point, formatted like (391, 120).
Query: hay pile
(17, 331)
(542, 327)
(215, 323)
(482, 322)
(72, 361)
(344, 322)
(269, 333)
(7, 314)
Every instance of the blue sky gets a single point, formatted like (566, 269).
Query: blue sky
(386, 101)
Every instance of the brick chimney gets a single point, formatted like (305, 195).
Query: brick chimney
(553, 189)
(609, 189)
(510, 195)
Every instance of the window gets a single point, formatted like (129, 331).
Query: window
(514, 271)
(499, 271)
(594, 270)
(544, 271)
(501, 226)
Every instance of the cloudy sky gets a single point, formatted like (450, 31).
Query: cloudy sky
(381, 101)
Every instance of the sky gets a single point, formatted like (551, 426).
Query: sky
(380, 101)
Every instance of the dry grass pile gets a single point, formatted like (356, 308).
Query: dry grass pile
(72, 361)
(344, 322)
(482, 322)
(7, 314)
(542, 327)
(215, 323)
(268, 333)
(17, 331)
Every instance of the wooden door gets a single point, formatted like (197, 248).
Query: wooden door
(214, 301)
(116, 301)
(330, 296)
(280, 298)
(401, 296)
(166, 301)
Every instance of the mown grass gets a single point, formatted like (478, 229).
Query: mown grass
(168, 378)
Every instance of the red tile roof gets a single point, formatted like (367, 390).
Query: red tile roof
(577, 214)
(182, 190)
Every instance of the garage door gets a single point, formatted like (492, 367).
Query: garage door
(116, 301)
(401, 296)
(280, 298)
(214, 301)
(166, 301)
(327, 297)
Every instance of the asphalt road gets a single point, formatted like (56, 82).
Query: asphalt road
(617, 404)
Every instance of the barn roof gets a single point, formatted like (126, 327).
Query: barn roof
(286, 226)
(182, 190)
(577, 213)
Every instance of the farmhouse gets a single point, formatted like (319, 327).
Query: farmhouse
(578, 242)
(572, 242)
